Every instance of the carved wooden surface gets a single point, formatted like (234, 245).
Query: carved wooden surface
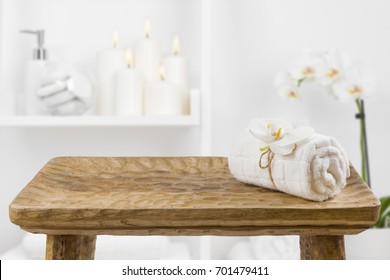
(322, 247)
(70, 247)
(178, 196)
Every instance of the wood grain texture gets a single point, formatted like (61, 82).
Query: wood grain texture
(322, 247)
(190, 195)
(70, 247)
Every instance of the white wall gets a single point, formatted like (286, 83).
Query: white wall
(253, 40)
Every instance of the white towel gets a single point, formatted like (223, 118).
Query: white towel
(317, 170)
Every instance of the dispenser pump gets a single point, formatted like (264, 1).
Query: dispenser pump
(39, 53)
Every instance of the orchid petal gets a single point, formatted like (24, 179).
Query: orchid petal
(358, 82)
(297, 135)
(259, 130)
(289, 92)
(262, 137)
(280, 135)
(284, 79)
(340, 90)
(365, 78)
(281, 150)
(307, 66)
(287, 126)
(336, 63)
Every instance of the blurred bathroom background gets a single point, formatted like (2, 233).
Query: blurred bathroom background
(235, 48)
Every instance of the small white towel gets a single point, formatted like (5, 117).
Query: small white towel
(317, 170)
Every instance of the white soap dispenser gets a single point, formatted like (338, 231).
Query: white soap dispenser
(33, 75)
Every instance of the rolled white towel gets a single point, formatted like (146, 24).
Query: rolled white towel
(66, 94)
(316, 170)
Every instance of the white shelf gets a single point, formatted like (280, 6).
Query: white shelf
(108, 121)
(96, 121)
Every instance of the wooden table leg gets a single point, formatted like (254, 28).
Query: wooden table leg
(70, 247)
(322, 247)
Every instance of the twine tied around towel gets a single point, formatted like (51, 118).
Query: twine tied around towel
(270, 156)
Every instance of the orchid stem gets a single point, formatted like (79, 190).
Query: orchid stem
(362, 150)
(363, 142)
(300, 81)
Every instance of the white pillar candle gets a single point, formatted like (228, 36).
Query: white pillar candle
(163, 97)
(147, 55)
(129, 85)
(108, 63)
(176, 70)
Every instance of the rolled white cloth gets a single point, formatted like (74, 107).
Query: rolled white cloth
(317, 170)
(66, 94)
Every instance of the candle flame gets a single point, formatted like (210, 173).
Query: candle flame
(176, 45)
(129, 58)
(115, 38)
(162, 72)
(148, 28)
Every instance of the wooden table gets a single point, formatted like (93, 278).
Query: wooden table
(74, 199)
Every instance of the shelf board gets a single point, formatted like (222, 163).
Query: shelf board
(108, 121)
(97, 121)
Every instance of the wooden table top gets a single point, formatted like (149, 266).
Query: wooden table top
(177, 196)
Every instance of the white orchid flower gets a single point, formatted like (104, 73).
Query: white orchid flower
(280, 136)
(286, 86)
(334, 68)
(307, 67)
(289, 92)
(358, 82)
